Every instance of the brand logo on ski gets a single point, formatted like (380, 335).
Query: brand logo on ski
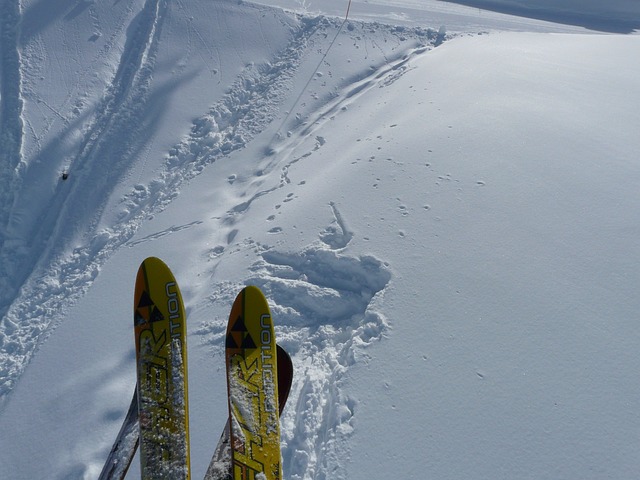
(238, 337)
(147, 310)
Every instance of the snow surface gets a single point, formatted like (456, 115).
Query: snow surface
(439, 200)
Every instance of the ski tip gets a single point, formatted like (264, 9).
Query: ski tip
(151, 261)
(253, 291)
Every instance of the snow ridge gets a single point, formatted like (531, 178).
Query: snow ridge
(247, 108)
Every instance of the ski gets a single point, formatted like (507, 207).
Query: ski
(220, 465)
(252, 385)
(161, 357)
(125, 446)
(126, 443)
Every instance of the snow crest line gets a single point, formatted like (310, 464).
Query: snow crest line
(394, 64)
(247, 108)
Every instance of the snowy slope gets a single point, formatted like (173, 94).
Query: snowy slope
(622, 16)
(445, 227)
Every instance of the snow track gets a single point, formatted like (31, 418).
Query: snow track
(50, 259)
(41, 245)
(10, 113)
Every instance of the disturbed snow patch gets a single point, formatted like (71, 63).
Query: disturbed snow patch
(317, 286)
(325, 307)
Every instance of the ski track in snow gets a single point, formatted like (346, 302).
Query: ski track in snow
(50, 279)
(10, 110)
(63, 273)
(33, 50)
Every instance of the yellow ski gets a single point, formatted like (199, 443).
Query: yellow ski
(253, 389)
(161, 354)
